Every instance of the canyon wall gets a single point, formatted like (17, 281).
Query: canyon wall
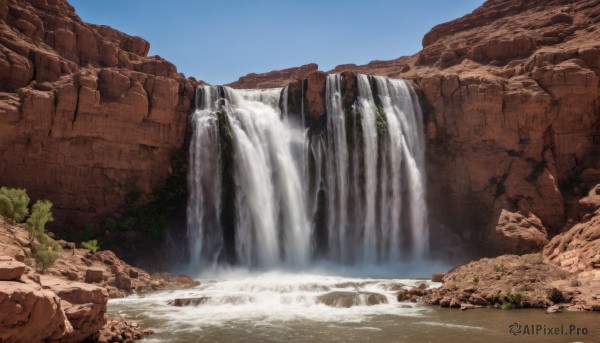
(87, 119)
(510, 94)
(511, 100)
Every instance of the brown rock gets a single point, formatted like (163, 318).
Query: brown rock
(133, 273)
(276, 78)
(28, 314)
(84, 306)
(11, 270)
(73, 276)
(123, 281)
(93, 275)
(478, 300)
(517, 234)
(93, 86)
(349, 299)
(188, 301)
(438, 277)
(315, 94)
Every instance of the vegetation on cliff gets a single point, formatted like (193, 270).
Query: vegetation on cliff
(14, 206)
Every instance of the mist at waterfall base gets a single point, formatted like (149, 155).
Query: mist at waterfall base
(269, 191)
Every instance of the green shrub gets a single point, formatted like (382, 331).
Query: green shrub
(41, 213)
(13, 204)
(45, 255)
(46, 252)
(91, 245)
(511, 300)
(475, 281)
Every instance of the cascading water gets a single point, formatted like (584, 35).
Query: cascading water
(252, 210)
(266, 191)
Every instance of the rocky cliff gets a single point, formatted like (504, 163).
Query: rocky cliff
(511, 99)
(510, 94)
(67, 302)
(87, 119)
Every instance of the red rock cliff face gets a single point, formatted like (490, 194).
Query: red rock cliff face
(512, 94)
(511, 98)
(85, 114)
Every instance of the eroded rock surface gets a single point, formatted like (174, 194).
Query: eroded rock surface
(95, 117)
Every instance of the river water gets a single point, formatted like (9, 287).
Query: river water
(239, 306)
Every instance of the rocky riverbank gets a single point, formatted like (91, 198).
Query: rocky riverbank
(564, 275)
(68, 302)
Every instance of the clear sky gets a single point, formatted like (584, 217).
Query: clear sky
(218, 41)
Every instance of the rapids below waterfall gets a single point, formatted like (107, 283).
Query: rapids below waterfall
(276, 306)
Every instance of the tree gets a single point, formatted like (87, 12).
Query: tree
(13, 204)
(41, 213)
(91, 245)
(46, 254)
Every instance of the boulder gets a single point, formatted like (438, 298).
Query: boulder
(349, 299)
(28, 314)
(11, 269)
(188, 301)
(84, 306)
(93, 275)
(438, 277)
(123, 281)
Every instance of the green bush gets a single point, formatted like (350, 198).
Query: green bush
(46, 254)
(41, 214)
(13, 204)
(91, 245)
(511, 300)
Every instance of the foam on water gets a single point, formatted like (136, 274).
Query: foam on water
(268, 298)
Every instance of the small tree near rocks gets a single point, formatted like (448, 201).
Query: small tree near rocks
(46, 253)
(91, 245)
(41, 213)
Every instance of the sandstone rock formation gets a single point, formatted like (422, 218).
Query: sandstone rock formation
(510, 95)
(102, 269)
(10, 269)
(275, 78)
(30, 314)
(118, 330)
(43, 308)
(86, 117)
(514, 281)
(577, 250)
(68, 302)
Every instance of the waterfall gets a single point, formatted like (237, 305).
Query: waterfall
(267, 190)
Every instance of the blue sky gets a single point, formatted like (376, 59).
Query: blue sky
(218, 41)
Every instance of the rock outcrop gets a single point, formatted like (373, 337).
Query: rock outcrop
(511, 281)
(68, 302)
(30, 314)
(275, 78)
(41, 308)
(577, 250)
(86, 117)
(103, 269)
